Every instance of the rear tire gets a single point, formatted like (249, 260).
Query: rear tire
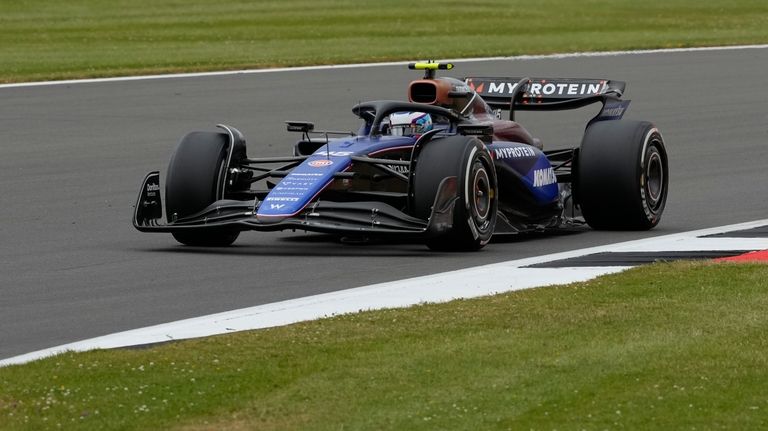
(196, 174)
(474, 214)
(623, 175)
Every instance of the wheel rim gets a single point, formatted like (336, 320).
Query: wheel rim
(482, 195)
(654, 178)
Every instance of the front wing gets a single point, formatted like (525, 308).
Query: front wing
(363, 217)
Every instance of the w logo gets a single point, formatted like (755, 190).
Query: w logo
(480, 87)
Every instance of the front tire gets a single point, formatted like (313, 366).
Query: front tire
(475, 210)
(196, 174)
(623, 175)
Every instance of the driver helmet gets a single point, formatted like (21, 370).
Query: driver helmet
(409, 123)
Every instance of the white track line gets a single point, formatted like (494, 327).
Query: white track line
(466, 283)
(364, 65)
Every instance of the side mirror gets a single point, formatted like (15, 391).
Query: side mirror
(484, 132)
(300, 126)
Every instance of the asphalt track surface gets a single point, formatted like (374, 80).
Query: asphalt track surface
(73, 156)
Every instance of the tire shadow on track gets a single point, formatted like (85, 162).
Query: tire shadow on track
(247, 250)
(324, 245)
(310, 245)
(536, 236)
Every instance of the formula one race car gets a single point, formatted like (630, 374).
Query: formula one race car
(443, 167)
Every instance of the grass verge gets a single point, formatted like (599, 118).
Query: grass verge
(665, 346)
(51, 39)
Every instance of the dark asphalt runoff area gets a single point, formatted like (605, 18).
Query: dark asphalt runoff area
(72, 158)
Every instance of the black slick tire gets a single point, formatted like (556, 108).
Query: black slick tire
(194, 180)
(475, 210)
(623, 175)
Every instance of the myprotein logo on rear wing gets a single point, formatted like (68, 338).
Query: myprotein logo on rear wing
(562, 93)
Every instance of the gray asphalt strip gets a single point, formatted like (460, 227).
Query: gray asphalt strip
(74, 155)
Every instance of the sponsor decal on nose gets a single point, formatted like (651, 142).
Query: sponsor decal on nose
(320, 163)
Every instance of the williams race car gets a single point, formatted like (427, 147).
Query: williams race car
(443, 167)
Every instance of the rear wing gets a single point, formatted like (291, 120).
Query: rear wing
(550, 94)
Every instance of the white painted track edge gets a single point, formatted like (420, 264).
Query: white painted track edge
(465, 283)
(383, 64)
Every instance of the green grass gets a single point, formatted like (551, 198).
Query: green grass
(666, 346)
(53, 39)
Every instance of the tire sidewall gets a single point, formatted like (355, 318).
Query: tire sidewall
(478, 167)
(653, 164)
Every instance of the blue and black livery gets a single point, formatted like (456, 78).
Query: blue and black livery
(472, 175)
